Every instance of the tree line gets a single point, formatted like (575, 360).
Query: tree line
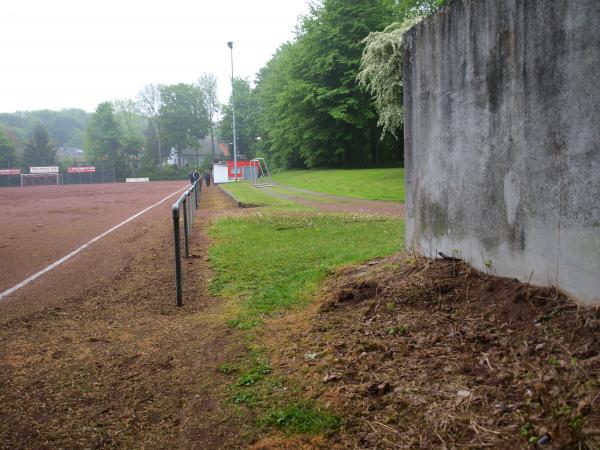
(139, 136)
(29, 138)
(331, 97)
(130, 136)
(38, 150)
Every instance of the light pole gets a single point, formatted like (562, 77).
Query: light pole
(235, 169)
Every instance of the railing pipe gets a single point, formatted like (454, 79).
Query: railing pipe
(178, 288)
(189, 211)
(186, 232)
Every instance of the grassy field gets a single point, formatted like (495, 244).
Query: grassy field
(274, 259)
(370, 184)
(274, 262)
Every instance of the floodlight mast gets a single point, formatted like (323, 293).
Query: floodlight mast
(235, 169)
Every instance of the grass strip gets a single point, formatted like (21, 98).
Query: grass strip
(274, 262)
(370, 184)
(303, 417)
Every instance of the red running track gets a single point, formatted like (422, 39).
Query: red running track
(41, 224)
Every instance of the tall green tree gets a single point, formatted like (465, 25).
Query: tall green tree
(381, 63)
(132, 125)
(245, 119)
(103, 139)
(183, 116)
(8, 152)
(150, 152)
(39, 149)
(318, 112)
(149, 103)
(381, 74)
(279, 108)
(208, 84)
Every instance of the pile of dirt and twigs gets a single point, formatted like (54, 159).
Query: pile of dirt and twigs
(419, 353)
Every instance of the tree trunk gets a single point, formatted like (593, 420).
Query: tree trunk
(212, 138)
(374, 147)
(159, 147)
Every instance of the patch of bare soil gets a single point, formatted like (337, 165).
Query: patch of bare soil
(120, 365)
(417, 353)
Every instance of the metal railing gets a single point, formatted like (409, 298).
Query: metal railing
(185, 206)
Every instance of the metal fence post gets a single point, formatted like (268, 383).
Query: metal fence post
(190, 205)
(177, 255)
(186, 236)
(190, 209)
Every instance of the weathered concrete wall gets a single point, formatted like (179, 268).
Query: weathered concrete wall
(502, 139)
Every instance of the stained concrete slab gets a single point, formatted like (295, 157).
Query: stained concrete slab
(502, 139)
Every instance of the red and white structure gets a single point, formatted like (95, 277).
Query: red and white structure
(252, 170)
(10, 172)
(41, 175)
(82, 169)
(225, 172)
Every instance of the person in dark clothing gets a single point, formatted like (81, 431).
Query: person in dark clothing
(195, 176)
(191, 176)
(207, 178)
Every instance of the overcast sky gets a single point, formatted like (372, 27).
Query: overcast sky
(58, 54)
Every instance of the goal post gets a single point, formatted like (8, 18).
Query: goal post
(261, 170)
(38, 179)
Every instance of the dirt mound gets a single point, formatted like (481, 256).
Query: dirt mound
(432, 353)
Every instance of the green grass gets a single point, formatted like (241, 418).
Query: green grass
(254, 374)
(370, 184)
(303, 418)
(243, 192)
(273, 262)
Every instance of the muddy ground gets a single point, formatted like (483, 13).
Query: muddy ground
(119, 365)
(409, 352)
(41, 224)
(417, 353)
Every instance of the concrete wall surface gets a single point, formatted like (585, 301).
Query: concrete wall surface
(502, 139)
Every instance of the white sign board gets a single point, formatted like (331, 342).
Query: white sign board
(50, 169)
(137, 180)
(220, 173)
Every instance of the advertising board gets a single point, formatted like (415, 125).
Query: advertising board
(82, 169)
(41, 169)
(10, 171)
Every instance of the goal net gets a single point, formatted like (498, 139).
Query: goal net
(260, 175)
(34, 179)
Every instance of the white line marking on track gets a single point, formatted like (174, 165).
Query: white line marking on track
(83, 247)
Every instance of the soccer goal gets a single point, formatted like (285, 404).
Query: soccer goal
(261, 177)
(36, 179)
